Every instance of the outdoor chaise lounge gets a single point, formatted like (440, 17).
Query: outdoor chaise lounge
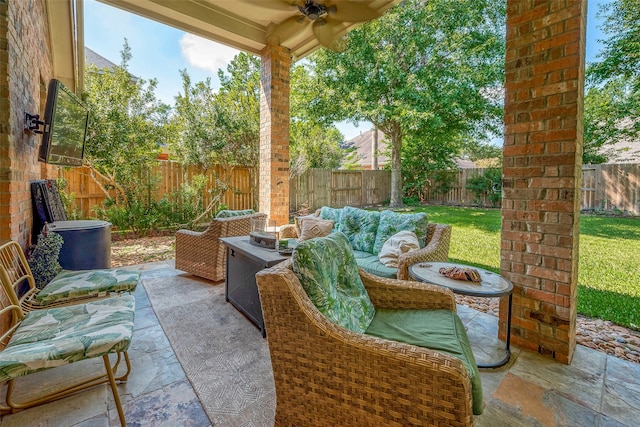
(202, 254)
(49, 338)
(68, 287)
(351, 348)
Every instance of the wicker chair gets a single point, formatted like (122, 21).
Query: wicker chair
(202, 254)
(326, 375)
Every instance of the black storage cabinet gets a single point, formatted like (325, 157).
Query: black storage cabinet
(87, 244)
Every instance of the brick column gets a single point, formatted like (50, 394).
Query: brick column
(542, 171)
(25, 70)
(274, 133)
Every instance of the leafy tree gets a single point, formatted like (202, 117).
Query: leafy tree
(127, 124)
(423, 72)
(312, 143)
(612, 100)
(220, 128)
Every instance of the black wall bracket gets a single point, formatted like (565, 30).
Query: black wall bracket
(32, 123)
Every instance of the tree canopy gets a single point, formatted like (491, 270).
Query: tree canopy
(423, 73)
(127, 125)
(612, 100)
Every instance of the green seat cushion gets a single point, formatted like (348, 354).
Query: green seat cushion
(88, 283)
(334, 214)
(394, 222)
(440, 330)
(327, 270)
(360, 226)
(58, 336)
(229, 213)
(371, 264)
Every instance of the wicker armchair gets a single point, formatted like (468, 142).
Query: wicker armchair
(326, 375)
(202, 254)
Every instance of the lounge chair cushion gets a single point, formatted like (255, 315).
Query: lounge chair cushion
(440, 330)
(371, 264)
(88, 283)
(393, 222)
(360, 226)
(230, 213)
(327, 270)
(58, 336)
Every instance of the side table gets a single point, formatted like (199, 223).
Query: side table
(244, 260)
(493, 285)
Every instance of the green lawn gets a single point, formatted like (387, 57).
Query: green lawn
(609, 264)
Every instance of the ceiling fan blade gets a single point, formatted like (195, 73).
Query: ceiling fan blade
(352, 12)
(286, 29)
(327, 33)
(287, 5)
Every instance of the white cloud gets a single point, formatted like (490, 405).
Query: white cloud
(206, 54)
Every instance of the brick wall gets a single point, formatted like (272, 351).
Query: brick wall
(542, 171)
(25, 70)
(274, 134)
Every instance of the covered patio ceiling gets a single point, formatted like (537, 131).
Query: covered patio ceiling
(249, 25)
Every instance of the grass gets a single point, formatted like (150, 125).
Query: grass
(608, 265)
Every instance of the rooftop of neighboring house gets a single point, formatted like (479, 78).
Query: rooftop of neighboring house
(100, 62)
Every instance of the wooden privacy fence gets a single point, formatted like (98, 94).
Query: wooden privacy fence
(458, 195)
(89, 190)
(605, 187)
(614, 186)
(337, 188)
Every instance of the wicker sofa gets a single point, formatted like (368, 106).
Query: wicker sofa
(327, 374)
(353, 222)
(202, 254)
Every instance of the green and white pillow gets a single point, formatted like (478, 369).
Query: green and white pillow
(393, 222)
(360, 226)
(328, 272)
(333, 214)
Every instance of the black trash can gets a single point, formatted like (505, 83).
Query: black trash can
(87, 244)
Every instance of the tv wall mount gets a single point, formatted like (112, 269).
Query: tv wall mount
(32, 123)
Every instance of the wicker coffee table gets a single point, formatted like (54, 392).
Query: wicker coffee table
(493, 285)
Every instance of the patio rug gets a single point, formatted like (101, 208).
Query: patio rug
(222, 353)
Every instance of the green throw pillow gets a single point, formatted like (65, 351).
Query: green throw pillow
(328, 273)
(360, 226)
(393, 222)
(333, 214)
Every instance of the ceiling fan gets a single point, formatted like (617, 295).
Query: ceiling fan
(326, 18)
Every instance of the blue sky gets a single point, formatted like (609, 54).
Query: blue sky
(160, 51)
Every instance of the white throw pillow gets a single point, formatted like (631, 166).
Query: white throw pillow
(396, 245)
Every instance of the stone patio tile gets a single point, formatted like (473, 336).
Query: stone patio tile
(535, 405)
(173, 405)
(581, 382)
(72, 410)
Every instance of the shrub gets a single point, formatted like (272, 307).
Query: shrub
(43, 259)
(488, 185)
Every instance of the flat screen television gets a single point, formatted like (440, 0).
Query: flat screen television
(65, 127)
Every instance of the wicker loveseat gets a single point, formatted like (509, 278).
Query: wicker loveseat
(367, 231)
(326, 373)
(202, 254)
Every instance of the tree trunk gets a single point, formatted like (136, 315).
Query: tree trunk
(396, 167)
